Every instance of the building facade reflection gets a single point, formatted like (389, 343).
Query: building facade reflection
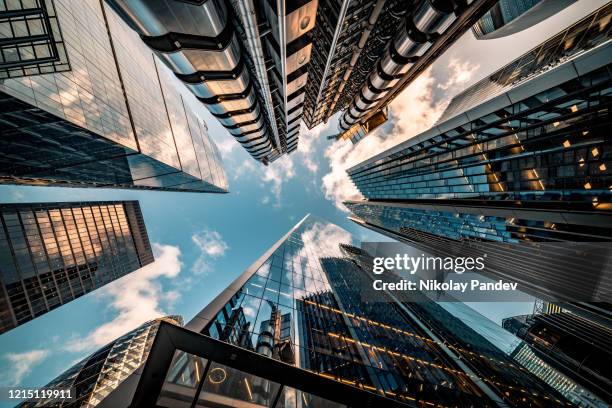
(301, 303)
(52, 253)
(117, 118)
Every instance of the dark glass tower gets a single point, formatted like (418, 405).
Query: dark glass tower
(98, 374)
(508, 17)
(522, 156)
(574, 346)
(52, 253)
(300, 303)
(116, 118)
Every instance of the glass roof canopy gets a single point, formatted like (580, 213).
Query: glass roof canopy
(188, 369)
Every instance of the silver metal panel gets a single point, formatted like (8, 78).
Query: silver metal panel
(543, 82)
(298, 59)
(297, 83)
(211, 88)
(300, 21)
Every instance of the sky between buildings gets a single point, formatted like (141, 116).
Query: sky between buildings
(202, 242)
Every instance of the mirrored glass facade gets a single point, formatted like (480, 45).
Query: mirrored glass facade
(508, 17)
(52, 253)
(301, 304)
(98, 374)
(31, 40)
(118, 118)
(576, 347)
(522, 156)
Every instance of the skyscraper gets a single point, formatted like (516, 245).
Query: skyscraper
(396, 42)
(261, 67)
(508, 17)
(521, 156)
(300, 304)
(107, 113)
(576, 347)
(52, 253)
(98, 374)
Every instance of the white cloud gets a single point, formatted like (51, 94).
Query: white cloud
(460, 74)
(265, 200)
(136, 298)
(276, 174)
(211, 246)
(330, 234)
(21, 365)
(227, 146)
(412, 112)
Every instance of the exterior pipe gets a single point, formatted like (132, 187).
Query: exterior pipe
(431, 18)
(208, 58)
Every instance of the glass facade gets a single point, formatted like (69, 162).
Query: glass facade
(31, 40)
(576, 347)
(529, 164)
(118, 118)
(578, 38)
(511, 16)
(52, 253)
(97, 375)
(550, 146)
(301, 304)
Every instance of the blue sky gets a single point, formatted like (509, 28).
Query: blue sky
(204, 241)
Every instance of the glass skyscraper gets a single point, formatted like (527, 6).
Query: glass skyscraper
(576, 347)
(521, 156)
(508, 17)
(97, 375)
(52, 253)
(300, 304)
(117, 118)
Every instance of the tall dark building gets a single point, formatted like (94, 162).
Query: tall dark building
(522, 156)
(84, 103)
(52, 253)
(98, 374)
(576, 347)
(508, 17)
(301, 305)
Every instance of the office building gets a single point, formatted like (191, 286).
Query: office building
(297, 313)
(508, 17)
(52, 253)
(576, 347)
(87, 104)
(94, 377)
(520, 157)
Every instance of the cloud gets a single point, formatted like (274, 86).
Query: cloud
(412, 112)
(21, 365)
(330, 234)
(136, 297)
(276, 174)
(460, 74)
(211, 246)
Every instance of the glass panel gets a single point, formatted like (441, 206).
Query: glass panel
(225, 386)
(182, 380)
(292, 398)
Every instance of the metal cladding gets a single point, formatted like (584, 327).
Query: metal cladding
(287, 41)
(204, 44)
(430, 19)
